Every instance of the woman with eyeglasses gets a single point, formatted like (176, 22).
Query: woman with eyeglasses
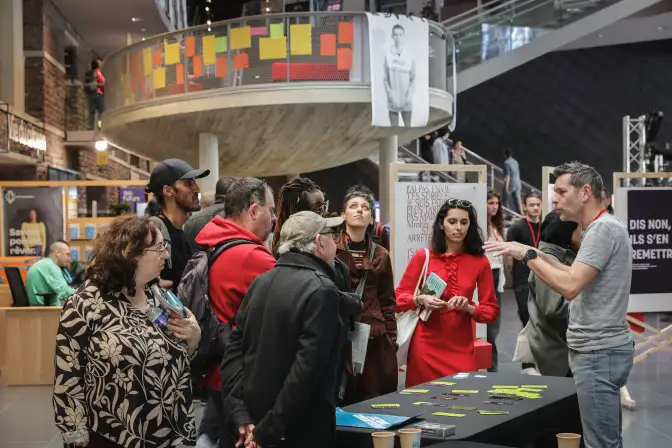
(444, 343)
(122, 357)
(372, 280)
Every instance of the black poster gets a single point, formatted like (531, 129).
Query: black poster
(649, 219)
(33, 220)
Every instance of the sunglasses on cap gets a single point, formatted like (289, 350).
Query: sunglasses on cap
(460, 203)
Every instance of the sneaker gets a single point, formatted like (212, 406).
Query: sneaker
(532, 371)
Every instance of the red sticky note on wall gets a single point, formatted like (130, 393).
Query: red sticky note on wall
(179, 74)
(346, 33)
(221, 66)
(190, 44)
(344, 59)
(157, 58)
(328, 44)
(198, 65)
(241, 60)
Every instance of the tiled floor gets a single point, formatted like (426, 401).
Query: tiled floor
(26, 418)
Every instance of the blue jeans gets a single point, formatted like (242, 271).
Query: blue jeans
(599, 376)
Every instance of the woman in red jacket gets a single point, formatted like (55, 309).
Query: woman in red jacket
(444, 344)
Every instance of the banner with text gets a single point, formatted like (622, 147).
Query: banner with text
(649, 224)
(33, 220)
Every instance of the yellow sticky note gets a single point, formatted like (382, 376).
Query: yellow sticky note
(277, 30)
(534, 386)
(147, 61)
(448, 414)
(528, 395)
(394, 405)
(270, 48)
(465, 391)
(159, 78)
(441, 383)
(126, 83)
(418, 403)
(505, 387)
(172, 54)
(209, 50)
(301, 39)
(414, 391)
(527, 389)
(240, 38)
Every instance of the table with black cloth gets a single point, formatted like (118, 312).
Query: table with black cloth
(530, 422)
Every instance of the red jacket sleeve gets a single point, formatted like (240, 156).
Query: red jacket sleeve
(256, 262)
(487, 309)
(406, 288)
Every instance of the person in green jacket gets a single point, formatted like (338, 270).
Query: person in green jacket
(47, 281)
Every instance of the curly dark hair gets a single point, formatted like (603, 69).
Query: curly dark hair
(113, 262)
(473, 242)
(292, 198)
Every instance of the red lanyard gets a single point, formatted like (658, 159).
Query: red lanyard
(604, 210)
(538, 236)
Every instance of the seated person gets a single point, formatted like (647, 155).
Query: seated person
(48, 280)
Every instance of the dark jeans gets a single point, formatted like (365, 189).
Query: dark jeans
(522, 292)
(211, 423)
(493, 328)
(406, 116)
(96, 104)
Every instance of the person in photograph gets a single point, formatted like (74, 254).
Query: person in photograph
(34, 235)
(399, 78)
(444, 344)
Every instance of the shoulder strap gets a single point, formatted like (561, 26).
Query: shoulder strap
(220, 248)
(362, 281)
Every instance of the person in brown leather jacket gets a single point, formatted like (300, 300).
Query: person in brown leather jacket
(370, 262)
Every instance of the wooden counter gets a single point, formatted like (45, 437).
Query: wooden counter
(5, 296)
(27, 345)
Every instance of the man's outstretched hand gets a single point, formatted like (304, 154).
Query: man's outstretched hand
(510, 249)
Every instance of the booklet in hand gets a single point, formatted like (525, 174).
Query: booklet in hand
(169, 301)
(434, 286)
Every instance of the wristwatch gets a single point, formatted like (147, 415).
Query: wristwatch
(531, 254)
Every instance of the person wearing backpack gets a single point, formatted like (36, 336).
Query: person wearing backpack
(249, 215)
(94, 87)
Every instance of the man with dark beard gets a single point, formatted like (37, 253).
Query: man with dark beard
(173, 183)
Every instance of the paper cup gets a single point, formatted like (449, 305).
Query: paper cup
(383, 439)
(410, 437)
(568, 440)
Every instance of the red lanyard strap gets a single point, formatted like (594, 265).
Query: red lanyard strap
(604, 210)
(535, 239)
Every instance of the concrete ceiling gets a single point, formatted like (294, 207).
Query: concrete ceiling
(106, 25)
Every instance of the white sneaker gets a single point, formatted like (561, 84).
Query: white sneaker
(532, 371)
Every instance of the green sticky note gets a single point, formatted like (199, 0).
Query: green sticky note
(465, 391)
(533, 386)
(221, 44)
(505, 387)
(448, 414)
(526, 389)
(385, 405)
(277, 30)
(441, 383)
(414, 391)
(493, 412)
(419, 403)
(462, 408)
(528, 395)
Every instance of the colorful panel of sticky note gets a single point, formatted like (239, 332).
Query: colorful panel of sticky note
(344, 59)
(301, 39)
(198, 65)
(221, 66)
(328, 44)
(179, 74)
(157, 57)
(221, 44)
(172, 54)
(159, 78)
(241, 38)
(277, 30)
(147, 61)
(190, 44)
(345, 33)
(241, 60)
(270, 48)
(209, 50)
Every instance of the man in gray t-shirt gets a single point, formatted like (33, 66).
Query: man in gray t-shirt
(512, 183)
(598, 288)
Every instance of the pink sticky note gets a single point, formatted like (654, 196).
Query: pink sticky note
(259, 31)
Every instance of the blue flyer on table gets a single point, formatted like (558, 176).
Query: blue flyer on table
(369, 421)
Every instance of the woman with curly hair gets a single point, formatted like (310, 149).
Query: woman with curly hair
(122, 362)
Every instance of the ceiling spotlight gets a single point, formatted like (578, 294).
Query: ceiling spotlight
(209, 22)
(268, 9)
(101, 145)
(209, 29)
(135, 19)
(142, 30)
(207, 8)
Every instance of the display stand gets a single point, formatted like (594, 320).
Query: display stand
(650, 300)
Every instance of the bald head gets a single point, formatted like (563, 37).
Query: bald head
(60, 253)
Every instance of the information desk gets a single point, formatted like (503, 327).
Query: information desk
(529, 421)
(27, 345)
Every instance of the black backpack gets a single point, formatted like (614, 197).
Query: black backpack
(193, 291)
(90, 82)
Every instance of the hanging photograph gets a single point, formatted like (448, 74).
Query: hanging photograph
(399, 57)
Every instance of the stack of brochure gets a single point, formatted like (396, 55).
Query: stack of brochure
(434, 286)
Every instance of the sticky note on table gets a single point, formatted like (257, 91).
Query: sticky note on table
(159, 79)
(505, 387)
(221, 44)
(270, 48)
(172, 54)
(448, 414)
(414, 391)
(393, 405)
(209, 49)
(301, 39)
(422, 403)
(147, 61)
(465, 391)
(345, 33)
(534, 386)
(493, 412)
(441, 383)
(528, 395)
(534, 391)
(240, 38)
(277, 30)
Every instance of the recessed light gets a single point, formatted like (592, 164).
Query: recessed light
(209, 29)
(268, 9)
(207, 8)
(135, 19)
(209, 22)
(142, 30)
(661, 28)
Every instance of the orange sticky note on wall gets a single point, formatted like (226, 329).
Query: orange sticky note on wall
(344, 59)
(179, 74)
(190, 44)
(198, 65)
(346, 34)
(157, 58)
(241, 60)
(221, 66)
(328, 44)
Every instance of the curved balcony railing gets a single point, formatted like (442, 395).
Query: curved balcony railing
(330, 47)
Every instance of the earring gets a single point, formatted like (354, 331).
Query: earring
(441, 227)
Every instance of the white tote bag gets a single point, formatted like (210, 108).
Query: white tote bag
(523, 351)
(408, 320)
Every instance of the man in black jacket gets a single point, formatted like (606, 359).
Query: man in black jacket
(281, 371)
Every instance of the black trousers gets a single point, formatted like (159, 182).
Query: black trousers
(522, 292)
(493, 328)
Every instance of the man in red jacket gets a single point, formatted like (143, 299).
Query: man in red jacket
(250, 215)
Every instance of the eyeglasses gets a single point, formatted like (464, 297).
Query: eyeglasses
(335, 235)
(460, 203)
(321, 208)
(159, 248)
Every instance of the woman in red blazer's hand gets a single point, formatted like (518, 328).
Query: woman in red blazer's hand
(444, 344)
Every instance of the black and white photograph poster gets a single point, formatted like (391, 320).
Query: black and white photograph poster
(33, 220)
(399, 54)
(650, 225)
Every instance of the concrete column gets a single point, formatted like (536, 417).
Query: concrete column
(12, 77)
(208, 158)
(388, 148)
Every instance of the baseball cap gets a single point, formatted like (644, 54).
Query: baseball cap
(307, 225)
(170, 171)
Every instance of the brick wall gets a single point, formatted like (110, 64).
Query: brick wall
(4, 135)
(76, 108)
(33, 25)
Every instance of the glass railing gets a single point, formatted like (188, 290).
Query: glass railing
(499, 27)
(249, 52)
